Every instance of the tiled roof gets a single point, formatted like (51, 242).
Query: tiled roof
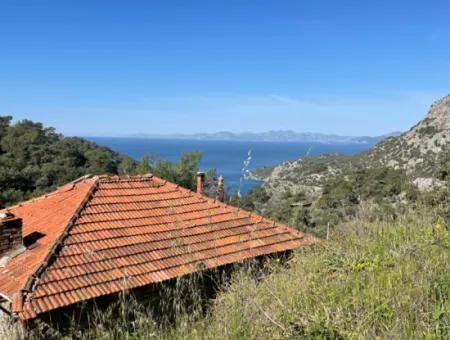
(106, 234)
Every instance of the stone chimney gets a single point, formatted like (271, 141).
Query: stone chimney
(200, 179)
(10, 232)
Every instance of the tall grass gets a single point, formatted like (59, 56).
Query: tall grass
(10, 329)
(381, 279)
(388, 279)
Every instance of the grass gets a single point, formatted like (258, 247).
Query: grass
(385, 279)
(382, 279)
(9, 330)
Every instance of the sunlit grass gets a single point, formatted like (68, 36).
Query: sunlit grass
(388, 279)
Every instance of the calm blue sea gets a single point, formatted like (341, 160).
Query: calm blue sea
(226, 157)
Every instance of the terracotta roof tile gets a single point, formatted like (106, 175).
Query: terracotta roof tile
(119, 233)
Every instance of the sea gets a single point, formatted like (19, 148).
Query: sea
(228, 158)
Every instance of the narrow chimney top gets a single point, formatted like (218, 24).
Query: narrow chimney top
(200, 177)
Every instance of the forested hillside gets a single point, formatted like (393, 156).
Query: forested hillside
(35, 159)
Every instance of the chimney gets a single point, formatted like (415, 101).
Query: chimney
(221, 189)
(200, 178)
(10, 232)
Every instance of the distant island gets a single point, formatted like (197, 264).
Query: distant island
(272, 136)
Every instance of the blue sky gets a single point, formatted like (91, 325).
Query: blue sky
(125, 67)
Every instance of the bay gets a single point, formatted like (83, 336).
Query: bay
(227, 157)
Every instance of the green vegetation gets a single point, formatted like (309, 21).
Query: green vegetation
(35, 159)
(428, 130)
(388, 191)
(381, 271)
(444, 166)
(386, 279)
(183, 173)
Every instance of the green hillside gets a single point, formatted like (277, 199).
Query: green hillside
(35, 159)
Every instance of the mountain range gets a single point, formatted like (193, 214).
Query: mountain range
(273, 136)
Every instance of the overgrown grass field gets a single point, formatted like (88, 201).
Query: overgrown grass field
(382, 279)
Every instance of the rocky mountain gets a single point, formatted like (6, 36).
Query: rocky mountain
(276, 136)
(416, 151)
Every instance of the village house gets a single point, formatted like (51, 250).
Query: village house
(100, 235)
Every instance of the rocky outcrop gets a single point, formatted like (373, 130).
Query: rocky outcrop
(416, 151)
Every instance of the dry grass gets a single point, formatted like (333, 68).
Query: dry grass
(9, 330)
(383, 279)
(372, 279)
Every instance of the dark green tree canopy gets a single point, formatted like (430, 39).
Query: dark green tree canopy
(35, 159)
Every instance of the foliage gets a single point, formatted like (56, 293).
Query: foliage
(444, 166)
(384, 186)
(251, 200)
(35, 159)
(183, 173)
(389, 190)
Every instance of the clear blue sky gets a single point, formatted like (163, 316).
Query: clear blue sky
(125, 67)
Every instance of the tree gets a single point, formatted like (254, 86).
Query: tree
(5, 121)
(188, 168)
(127, 166)
(99, 162)
(35, 159)
(144, 165)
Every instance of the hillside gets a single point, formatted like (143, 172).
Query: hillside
(417, 152)
(35, 159)
(316, 193)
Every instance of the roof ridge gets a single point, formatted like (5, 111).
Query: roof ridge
(126, 178)
(32, 281)
(69, 185)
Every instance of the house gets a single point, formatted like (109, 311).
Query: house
(100, 235)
